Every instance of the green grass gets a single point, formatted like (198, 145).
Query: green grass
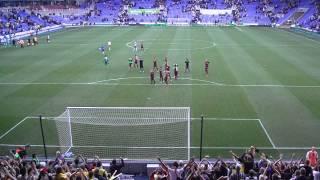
(255, 73)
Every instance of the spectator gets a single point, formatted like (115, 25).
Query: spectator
(252, 175)
(102, 171)
(247, 159)
(174, 173)
(312, 156)
(116, 167)
(308, 170)
(60, 174)
(236, 173)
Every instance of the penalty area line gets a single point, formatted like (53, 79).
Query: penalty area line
(7, 132)
(267, 134)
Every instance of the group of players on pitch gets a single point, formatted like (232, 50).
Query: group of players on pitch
(103, 49)
(164, 74)
(32, 40)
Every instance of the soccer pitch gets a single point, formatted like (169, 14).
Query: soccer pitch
(263, 86)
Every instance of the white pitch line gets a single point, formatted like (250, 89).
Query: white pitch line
(13, 127)
(160, 84)
(117, 79)
(44, 83)
(206, 83)
(128, 45)
(271, 148)
(300, 36)
(271, 85)
(255, 45)
(150, 147)
(210, 82)
(227, 119)
(176, 49)
(206, 118)
(239, 29)
(266, 132)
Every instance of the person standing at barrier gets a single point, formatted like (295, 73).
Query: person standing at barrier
(116, 168)
(312, 156)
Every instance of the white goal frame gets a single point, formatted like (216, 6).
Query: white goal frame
(188, 120)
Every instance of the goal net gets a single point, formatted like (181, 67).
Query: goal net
(131, 132)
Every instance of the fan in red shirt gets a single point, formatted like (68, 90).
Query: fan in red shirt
(21, 152)
(312, 156)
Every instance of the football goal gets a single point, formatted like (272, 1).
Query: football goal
(131, 132)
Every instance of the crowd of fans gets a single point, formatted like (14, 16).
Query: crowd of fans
(274, 10)
(252, 164)
(244, 167)
(14, 20)
(160, 15)
(17, 168)
(314, 20)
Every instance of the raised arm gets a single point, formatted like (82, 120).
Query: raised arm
(96, 158)
(82, 158)
(204, 160)
(7, 172)
(163, 165)
(234, 154)
(122, 162)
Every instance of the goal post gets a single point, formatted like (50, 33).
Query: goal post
(131, 132)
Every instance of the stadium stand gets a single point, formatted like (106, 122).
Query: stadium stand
(220, 12)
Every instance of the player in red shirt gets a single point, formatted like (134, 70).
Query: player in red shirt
(136, 58)
(21, 42)
(167, 69)
(165, 62)
(152, 77)
(161, 74)
(155, 64)
(166, 77)
(206, 67)
(176, 71)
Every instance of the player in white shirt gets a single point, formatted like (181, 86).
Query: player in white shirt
(106, 60)
(48, 38)
(109, 45)
(135, 46)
